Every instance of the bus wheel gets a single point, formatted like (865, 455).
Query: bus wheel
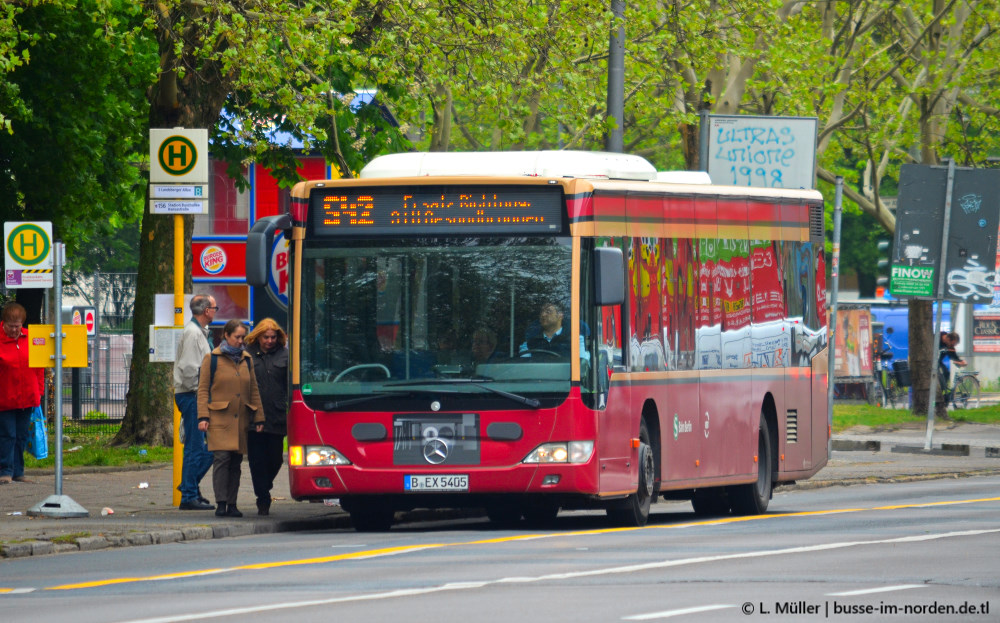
(752, 499)
(634, 510)
(371, 516)
(711, 501)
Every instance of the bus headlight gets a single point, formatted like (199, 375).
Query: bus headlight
(570, 452)
(311, 456)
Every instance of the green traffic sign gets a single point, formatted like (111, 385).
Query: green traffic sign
(911, 280)
(28, 244)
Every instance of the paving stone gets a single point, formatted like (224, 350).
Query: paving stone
(40, 548)
(62, 548)
(167, 536)
(240, 529)
(91, 543)
(17, 550)
(117, 540)
(193, 533)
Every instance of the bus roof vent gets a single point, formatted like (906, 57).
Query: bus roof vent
(584, 164)
(683, 177)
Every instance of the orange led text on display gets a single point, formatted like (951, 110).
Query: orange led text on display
(380, 211)
(466, 210)
(341, 210)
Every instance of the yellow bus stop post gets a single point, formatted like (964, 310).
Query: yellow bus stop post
(178, 322)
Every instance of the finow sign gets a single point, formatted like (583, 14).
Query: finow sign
(970, 216)
(912, 281)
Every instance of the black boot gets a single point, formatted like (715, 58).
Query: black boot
(222, 509)
(232, 511)
(263, 507)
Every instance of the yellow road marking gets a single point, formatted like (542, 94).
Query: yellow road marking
(393, 551)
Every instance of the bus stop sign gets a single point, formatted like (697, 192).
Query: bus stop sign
(28, 258)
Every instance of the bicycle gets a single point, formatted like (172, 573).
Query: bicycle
(887, 389)
(965, 393)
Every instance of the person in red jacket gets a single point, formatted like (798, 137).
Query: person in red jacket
(21, 391)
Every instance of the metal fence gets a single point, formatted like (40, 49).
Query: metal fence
(94, 397)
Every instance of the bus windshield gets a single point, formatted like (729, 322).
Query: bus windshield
(461, 315)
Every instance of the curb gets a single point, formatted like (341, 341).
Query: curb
(202, 532)
(945, 449)
(851, 445)
(868, 480)
(158, 537)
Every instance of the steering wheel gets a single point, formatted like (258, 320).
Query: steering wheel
(541, 351)
(363, 366)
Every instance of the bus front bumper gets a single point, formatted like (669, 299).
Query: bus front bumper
(324, 482)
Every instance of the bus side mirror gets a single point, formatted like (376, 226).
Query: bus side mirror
(609, 276)
(260, 241)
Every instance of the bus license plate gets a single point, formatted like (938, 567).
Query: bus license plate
(437, 482)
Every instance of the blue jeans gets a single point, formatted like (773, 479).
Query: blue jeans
(197, 458)
(15, 425)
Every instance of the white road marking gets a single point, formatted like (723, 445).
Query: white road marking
(663, 564)
(881, 589)
(666, 614)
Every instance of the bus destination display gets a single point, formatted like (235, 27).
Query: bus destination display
(473, 209)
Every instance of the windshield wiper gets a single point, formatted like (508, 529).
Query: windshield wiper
(336, 404)
(478, 382)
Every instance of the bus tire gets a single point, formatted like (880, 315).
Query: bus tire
(753, 498)
(371, 517)
(633, 511)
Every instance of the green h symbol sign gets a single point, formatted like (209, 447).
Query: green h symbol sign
(28, 244)
(177, 155)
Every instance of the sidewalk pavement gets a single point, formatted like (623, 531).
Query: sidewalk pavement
(138, 509)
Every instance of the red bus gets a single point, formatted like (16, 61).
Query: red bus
(534, 331)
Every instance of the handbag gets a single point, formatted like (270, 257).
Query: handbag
(38, 439)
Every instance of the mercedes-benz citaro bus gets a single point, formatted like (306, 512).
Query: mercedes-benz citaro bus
(525, 332)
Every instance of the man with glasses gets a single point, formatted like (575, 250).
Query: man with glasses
(547, 335)
(191, 351)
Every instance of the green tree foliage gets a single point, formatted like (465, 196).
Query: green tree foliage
(272, 64)
(890, 83)
(13, 54)
(76, 113)
(73, 108)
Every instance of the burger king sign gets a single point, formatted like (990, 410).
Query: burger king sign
(213, 259)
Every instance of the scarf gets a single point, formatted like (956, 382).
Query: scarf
(233, 352)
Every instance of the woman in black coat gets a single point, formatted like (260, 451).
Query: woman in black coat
(266, 344)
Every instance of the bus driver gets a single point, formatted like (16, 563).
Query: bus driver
(547, 334)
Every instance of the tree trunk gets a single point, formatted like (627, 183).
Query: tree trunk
(149, 404)
(193, 100)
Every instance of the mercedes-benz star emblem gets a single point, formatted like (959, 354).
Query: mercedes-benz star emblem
(435, 451)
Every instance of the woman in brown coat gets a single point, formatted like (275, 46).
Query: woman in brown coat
(228, 405)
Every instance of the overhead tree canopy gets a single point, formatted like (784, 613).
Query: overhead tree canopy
(76, 115)
(890, 83)
(269, 63)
